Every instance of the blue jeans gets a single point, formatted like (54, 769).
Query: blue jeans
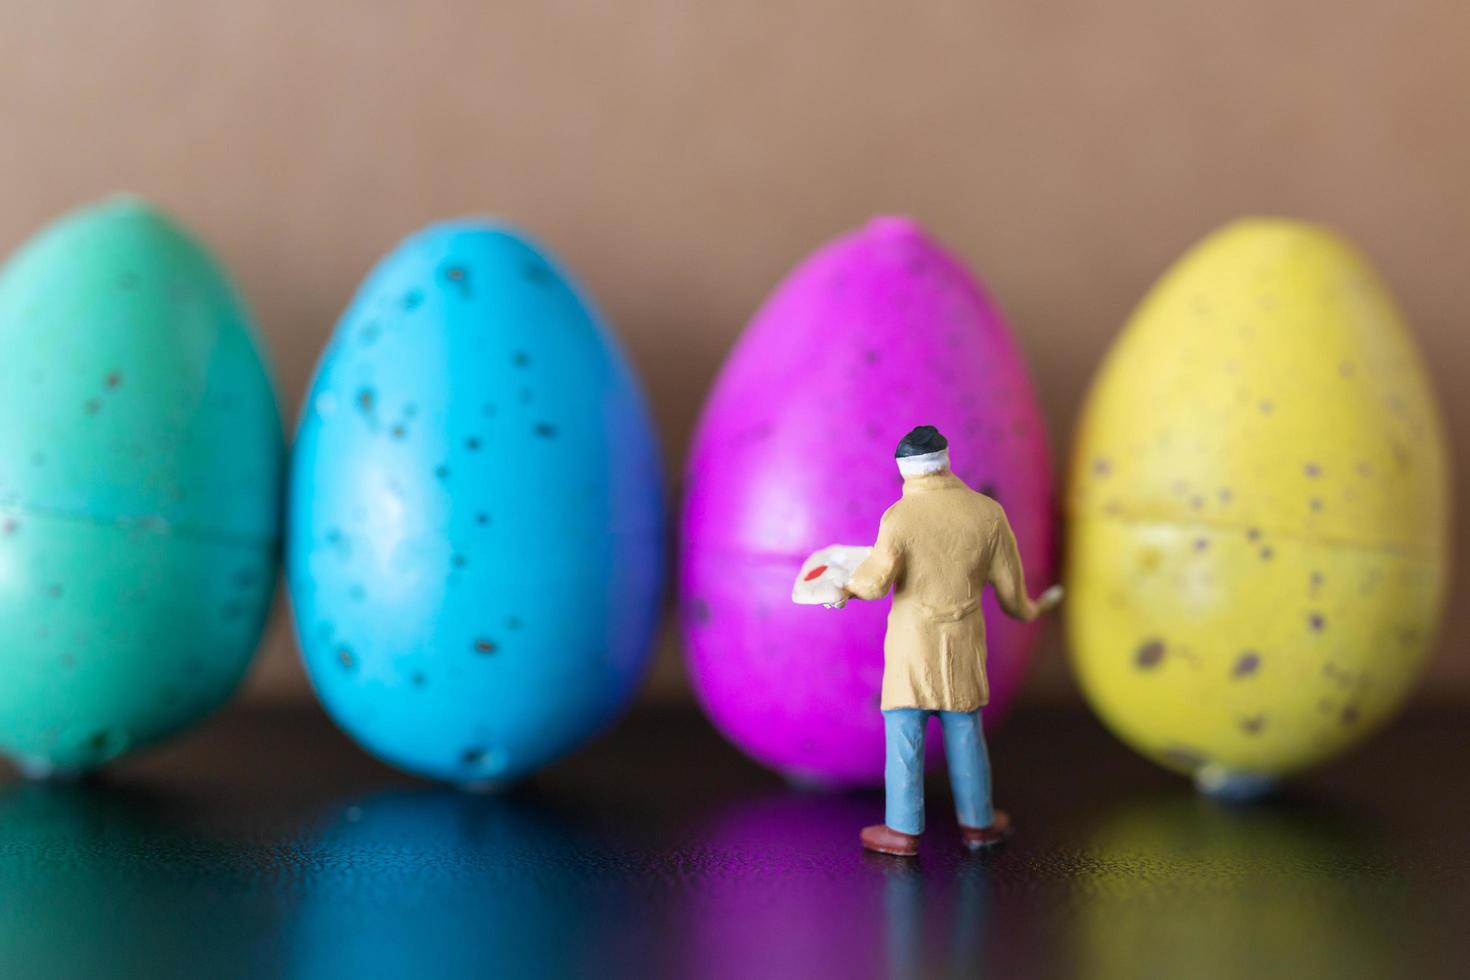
(964, 750)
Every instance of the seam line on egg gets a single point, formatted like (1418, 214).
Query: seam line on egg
(1379, 548)
(147, 523)
(734, 551)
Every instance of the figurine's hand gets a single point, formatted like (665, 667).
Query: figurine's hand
(1049, 600)
(845, 595)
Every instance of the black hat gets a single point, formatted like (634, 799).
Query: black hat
(920, 442)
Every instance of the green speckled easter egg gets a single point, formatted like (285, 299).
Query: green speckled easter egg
(140, 467)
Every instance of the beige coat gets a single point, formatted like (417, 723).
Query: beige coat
(937, 549)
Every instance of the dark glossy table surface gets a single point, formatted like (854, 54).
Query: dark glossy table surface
(267, 845)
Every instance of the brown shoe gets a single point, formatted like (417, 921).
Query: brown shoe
(978, 837)
(885, 840)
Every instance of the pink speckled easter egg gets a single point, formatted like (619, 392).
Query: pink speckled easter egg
(877, 332)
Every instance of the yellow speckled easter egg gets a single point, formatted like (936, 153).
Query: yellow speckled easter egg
(1259, 507)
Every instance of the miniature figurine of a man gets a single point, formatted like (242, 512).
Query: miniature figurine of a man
(938, 547)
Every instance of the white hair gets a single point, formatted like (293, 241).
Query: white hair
(924, 465)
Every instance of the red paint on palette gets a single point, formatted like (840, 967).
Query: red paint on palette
(815, 573)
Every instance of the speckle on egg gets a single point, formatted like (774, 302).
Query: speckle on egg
(1149, 654)
(460, 278)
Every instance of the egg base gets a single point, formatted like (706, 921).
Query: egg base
(42, 771)
(1232, 785)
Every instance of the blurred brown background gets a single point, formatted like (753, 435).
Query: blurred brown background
(681, 156)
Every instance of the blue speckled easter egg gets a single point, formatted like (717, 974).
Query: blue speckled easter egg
(140, 468)
(475, 552)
